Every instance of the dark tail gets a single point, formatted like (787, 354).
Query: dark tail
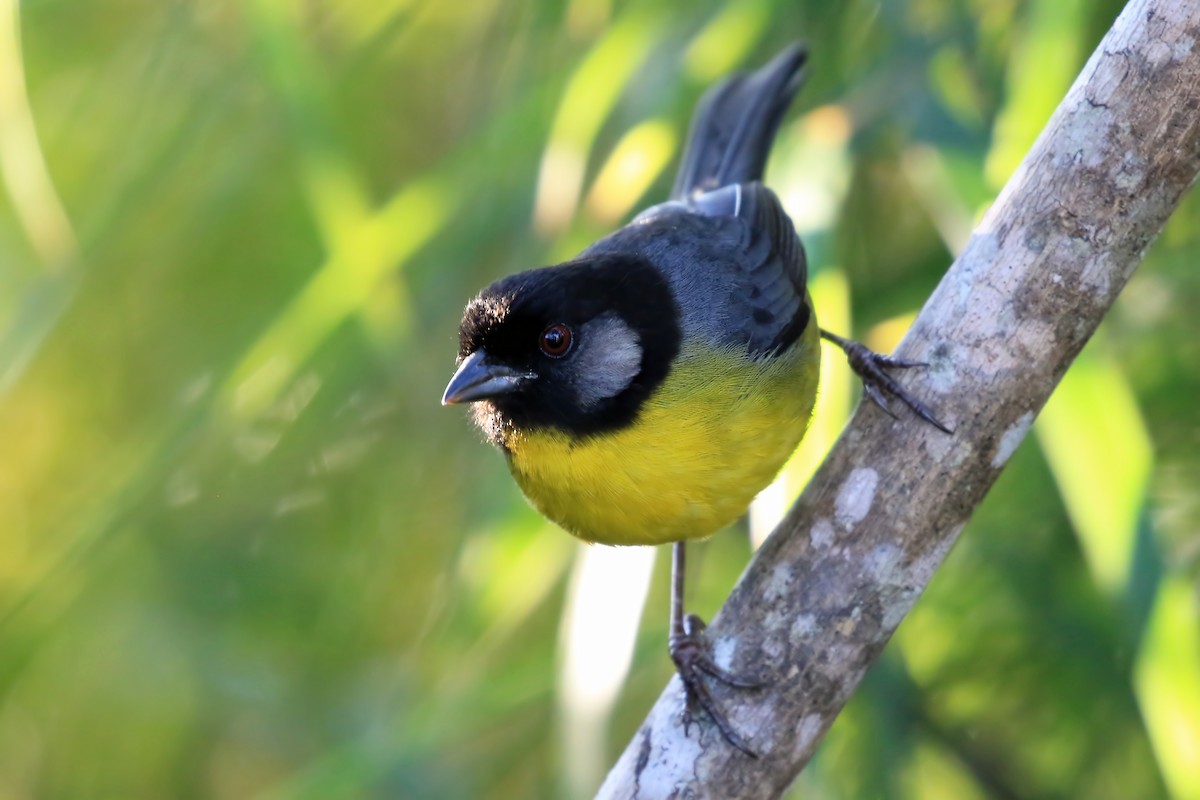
(735, 125)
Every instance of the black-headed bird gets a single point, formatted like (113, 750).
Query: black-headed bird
(645, 391)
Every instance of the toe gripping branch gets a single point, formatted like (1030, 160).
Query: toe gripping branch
(870, 367)
(690, 651)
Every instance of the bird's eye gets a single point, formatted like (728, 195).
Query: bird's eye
(555, 341)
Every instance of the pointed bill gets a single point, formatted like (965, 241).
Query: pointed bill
(478, 378)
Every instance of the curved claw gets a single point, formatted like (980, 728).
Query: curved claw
(693, 662)
(875, 395)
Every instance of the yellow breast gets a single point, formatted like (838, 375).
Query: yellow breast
(709, 439)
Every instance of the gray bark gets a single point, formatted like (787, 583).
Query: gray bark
(822, 597)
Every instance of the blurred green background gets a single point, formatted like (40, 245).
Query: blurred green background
(243, 551)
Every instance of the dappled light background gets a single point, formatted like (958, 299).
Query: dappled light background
(245, 553)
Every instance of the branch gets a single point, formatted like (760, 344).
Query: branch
(822, 597)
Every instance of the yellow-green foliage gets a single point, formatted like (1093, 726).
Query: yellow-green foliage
(245, 553)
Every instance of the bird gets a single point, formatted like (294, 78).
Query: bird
(645, 391)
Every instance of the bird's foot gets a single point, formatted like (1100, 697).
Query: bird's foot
(871, 368)
(693, 661)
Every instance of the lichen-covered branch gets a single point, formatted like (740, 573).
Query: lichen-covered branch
(823, 596)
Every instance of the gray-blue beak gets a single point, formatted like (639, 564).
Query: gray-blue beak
(478, 379)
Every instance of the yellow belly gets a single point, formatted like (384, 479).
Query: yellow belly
(713, 435)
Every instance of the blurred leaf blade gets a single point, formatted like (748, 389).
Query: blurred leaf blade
(1092, 433)
(1168, 683)
(235, 519)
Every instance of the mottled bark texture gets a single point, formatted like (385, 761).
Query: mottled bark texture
(820, 600)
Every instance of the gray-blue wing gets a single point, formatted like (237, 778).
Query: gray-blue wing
(734, 261)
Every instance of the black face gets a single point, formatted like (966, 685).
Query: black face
(582, 344)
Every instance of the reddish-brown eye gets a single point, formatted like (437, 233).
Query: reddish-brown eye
(555, 341)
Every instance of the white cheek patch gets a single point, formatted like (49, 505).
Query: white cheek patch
(609, 358)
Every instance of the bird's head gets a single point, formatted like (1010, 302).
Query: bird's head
(576, 347)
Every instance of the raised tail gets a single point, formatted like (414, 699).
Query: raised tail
(735, 124)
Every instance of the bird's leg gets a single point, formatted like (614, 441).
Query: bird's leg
(870, 366)
(689, 650)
